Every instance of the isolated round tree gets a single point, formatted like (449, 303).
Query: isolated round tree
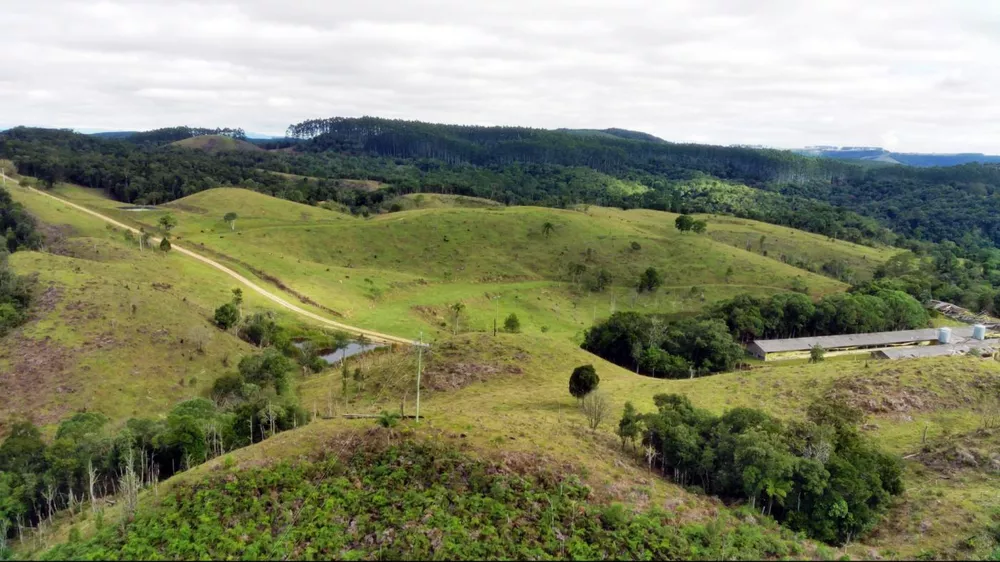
(583, 381)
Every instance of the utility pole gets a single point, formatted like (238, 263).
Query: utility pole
(420, 357)
(496, 313)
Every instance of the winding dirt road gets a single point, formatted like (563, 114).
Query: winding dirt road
(372, 335)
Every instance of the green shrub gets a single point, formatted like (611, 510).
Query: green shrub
(420, 502)
(226, 316)
(512, 324)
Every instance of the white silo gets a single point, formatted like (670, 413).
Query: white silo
(979, 332)
(944, 335)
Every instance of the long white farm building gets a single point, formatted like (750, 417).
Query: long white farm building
(941, 338)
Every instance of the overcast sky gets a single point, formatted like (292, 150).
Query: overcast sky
(912, 75)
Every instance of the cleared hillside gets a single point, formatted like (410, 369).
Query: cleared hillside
(216, 143)
(398, 271)
(253, 209)
(115, 330)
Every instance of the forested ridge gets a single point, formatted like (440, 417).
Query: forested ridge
(518, 165)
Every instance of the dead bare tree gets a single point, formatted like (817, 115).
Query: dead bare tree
(129, 484)
(595, 406)
(49, 493)
(91, 480)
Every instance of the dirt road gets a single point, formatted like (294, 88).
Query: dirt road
(372, 335)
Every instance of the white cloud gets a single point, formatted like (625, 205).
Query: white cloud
(916, 73)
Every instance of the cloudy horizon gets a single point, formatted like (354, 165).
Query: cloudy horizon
(907, 75)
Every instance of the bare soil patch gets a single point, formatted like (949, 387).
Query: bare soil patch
(886, 392)
(456, 364)
(39, 368)
(978, 451)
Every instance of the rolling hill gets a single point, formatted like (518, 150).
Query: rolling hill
(499, 403)
(216, 143)
(399, 272)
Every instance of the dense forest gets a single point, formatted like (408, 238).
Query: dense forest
(949, 217)
(819, 476)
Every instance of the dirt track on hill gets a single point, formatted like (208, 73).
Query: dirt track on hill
(377, 336)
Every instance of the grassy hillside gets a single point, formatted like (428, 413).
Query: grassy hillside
(401, 271)
(216, 143)
(435, 201)
(510, 394)
(115, 330)
(506, 398)
(795, 246)
(255, 210)
(506, 394)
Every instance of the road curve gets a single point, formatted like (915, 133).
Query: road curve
(372, 335)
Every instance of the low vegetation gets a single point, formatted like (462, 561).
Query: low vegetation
(417, 501)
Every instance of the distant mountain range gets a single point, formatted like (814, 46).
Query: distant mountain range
(878, 154)
(860, 154)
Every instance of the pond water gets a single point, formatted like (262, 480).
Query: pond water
(137, 208)
(350, 350)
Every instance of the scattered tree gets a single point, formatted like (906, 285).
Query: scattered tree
(547, 228)
(226, 316)
(511, 324)
(816, 353)
(165, 245)
(167, 222)
(456, 313)
(630, 425)
(635, 246)
(684, 223)
(583, 381)
(599, 281)
(267, 368)
(650, 280)
(230, 218)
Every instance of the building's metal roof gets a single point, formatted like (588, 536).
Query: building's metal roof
(958, 335)
(937, 350)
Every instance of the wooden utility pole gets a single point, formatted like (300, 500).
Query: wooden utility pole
(420, 357)
(496, 313)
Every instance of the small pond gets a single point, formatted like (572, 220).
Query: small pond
(137, 208)
(350, 350)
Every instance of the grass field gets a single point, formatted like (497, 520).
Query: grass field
(86, 349)
(216, 143)
(400, 272)
(397, 272)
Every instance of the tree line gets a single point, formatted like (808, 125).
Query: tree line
(89, 459)
(791, 315)
(818, 476)
(16, 291)
(665, 347)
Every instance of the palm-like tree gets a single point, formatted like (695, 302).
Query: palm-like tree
(388, 420)
(547, 228)
(456, 309)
